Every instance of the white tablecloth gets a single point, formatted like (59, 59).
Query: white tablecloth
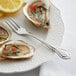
(59, 67)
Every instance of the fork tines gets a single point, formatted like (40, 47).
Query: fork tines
(11, 21)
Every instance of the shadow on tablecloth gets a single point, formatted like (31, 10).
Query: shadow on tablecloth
(34, 72)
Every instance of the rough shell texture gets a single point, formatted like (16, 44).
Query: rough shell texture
(25, 10)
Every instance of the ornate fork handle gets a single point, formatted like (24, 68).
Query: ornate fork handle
(60, 52)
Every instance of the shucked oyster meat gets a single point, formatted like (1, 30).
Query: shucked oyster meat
(16, 49)
(38, 12)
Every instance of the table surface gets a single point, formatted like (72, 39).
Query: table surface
(68, 12)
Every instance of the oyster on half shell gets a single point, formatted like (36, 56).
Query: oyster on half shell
(38, 12)
(16, 49)
(5, 33)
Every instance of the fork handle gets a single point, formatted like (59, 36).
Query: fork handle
(60, 52)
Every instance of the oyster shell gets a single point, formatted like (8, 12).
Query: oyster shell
(5, 33)
(38, 13)
(17, 49)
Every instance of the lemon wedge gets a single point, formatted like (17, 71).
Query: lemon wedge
(10, 6)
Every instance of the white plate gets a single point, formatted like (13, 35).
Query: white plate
(42, 54)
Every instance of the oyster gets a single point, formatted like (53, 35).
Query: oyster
(38, 13)
(17, 49)
(5, 33)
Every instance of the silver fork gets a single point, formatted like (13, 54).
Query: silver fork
(22, 31)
